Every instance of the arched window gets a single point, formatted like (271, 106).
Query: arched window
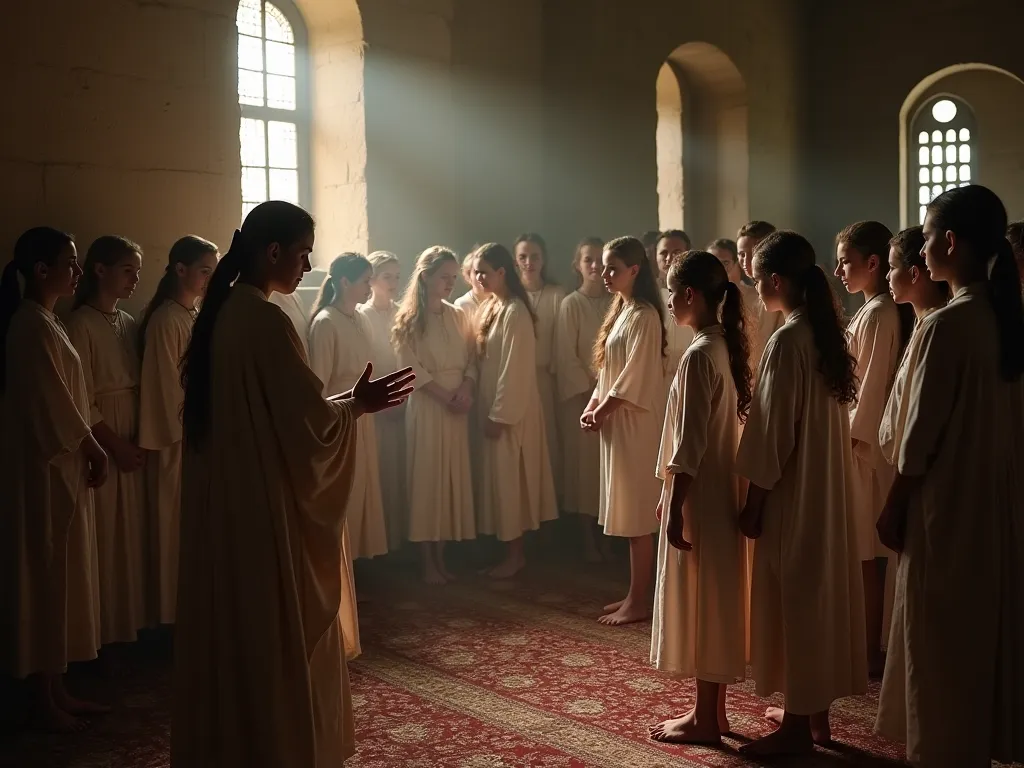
(943, 132)
(273, 93)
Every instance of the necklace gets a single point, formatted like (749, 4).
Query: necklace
(114, 320)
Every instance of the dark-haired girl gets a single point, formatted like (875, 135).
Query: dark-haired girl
(164, 334)
(531, 255)
(107, 342)
(340, 345)
(954, 683)
(807, 594)
(517, 492)
(877, 335)
(260, 673)
(49, 463)
(699, 600)
(627, 409)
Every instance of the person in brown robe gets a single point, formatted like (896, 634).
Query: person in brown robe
(260, 673)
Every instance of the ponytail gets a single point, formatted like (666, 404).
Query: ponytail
(36, 245)
(273, 222)
(1005, 295)
(186, 251)
(350, 266)
(835, 362)
(737, 342)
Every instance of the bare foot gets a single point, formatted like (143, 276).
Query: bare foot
(79, 707)
(507, 569)
(821, 732)
(433, 577)
(774, 714)
(686, 730)
(448, 575)
(56, 720)
(612, 607)
(784, 741)
(627, 613)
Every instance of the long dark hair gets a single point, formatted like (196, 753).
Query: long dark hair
(37, 245)
(268, 223)
(498, 257)
(977, 216)
(789, 255)
(106, 250)
(535, 239)
(704, 273)
(348, 265)
(411, 317)
(645, 291)
(186, 251)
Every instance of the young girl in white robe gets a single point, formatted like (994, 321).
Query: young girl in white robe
(380, 312)
(50, 462)
(765, 322)
(627, 410)
(340, 346)
(435, 340)
(164, 333)
(546, 296)
(470, 301)
(672, 243)
(579, 320)
(259, 671)
(807, 598)
(106, 340)
(699, 625)
(876, 338)
(953, 689)
(517, 492)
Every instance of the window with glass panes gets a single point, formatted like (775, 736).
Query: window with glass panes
(272, 94)
(944, 131)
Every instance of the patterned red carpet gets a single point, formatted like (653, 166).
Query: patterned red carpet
(477, 674)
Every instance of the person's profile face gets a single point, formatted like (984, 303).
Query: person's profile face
(290, 263)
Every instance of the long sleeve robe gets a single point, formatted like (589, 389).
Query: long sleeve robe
(260, 673)
(111, 366)
(291, 305)
(49, 579)
(953, 688)
(579, 322)
(807, 593)
(517, 492)
(699, 626)
(160, 397)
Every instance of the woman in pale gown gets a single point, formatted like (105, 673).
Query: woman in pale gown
(699, 625)
(579, 319)
(953, 689)
(531, 255)
(340, 345)
(49, 463)
(164, 333)
(260, 677)
(765, 322)
(435, 340)
(807, 598)
(517, 492)
(673, 243)
(106, 340)
(627, 410)
(470, 301)
(380, 311)
(877, 334)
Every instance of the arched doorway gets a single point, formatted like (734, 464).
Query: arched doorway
(702, 147)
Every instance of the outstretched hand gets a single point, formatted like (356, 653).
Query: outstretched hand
(386, 392)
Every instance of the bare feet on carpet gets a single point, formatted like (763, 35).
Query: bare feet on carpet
(56, 720)
(612, 607)
(508, 568)
(629, 612)
(724, 726)
(433, 577)
(821, 731)
(78, 707)
(448, 575)
(686, 729)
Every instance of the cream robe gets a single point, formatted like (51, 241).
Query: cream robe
(875, 343)
(439, 478)
(579, 322)
(467, 303)
(340, 346)
(160, 397)
(954, 688)
(49, 580)
(291, 305)
(677, 340)
(260, 675)
(390, 426)
(633, 371)
(807, 593)
(111, 367)
(546, 304)
(762, 322)
(470, 306)
(699, 628)
(517, 492)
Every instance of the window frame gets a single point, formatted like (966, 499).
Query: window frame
(922, 121)
(301, 116)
